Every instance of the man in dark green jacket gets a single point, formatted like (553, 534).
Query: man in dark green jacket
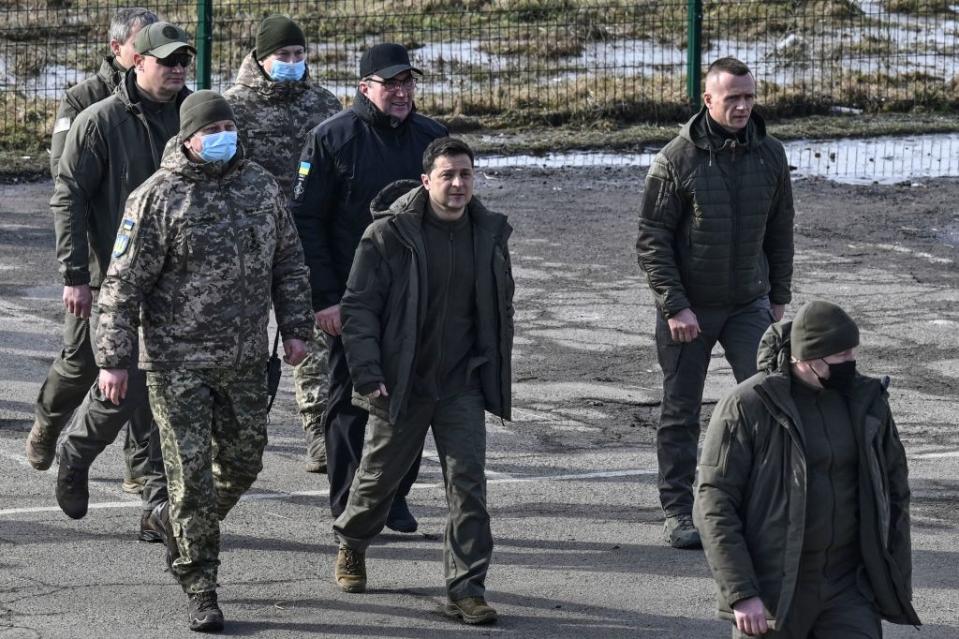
(803, 494)
(716, 244)
(112, 148)
(74, 370)
(428, 332)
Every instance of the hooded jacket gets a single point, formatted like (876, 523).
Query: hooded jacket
(346, 161)
(274, 118)
(385, 304)
(716, 225)
(202, 252)
(110, 150)
(95, 88)
(750, 503)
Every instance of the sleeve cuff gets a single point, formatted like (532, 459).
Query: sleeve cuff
(75, 278)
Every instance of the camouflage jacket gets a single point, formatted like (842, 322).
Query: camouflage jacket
(274, 118)
(201, 254)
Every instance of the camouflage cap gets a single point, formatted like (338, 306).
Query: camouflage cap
(160, 39)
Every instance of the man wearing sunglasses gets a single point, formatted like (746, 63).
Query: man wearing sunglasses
(111, 148)
(74, 370)
(277, 105)
(347, 160)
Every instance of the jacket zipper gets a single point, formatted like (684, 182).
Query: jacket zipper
(446, 306)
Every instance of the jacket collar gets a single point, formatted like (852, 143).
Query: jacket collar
(253, 76)
(407, 214)
(110, 72)
(696, 130)
(368, 112)
(129, 94)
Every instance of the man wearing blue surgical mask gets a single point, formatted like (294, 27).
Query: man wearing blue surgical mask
(206, 247)
(276, 106)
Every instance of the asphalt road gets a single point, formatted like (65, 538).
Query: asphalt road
(571, 480)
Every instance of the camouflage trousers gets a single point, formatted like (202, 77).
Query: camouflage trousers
(213, 432)
(311, 378)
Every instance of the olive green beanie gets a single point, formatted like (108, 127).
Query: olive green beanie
(201, 109)
(821, 329)
(276, 32)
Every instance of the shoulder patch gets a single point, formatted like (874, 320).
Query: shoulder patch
(61, 125)
(122, 242)
(304, 168)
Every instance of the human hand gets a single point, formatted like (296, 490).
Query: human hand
(379, 392)
(329, 320)
(295, 351)
(778, 311)
(750, 616)
(78, 300)
(113, 383)
(683, 326)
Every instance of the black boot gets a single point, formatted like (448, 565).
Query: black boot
(160, 518)
(204, 613)
(400, 518)
(72, 492)
(151, 526)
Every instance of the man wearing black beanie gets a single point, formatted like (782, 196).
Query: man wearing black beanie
(803, 496)
(277, 104)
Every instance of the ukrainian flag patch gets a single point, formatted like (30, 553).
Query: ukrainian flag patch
(304, 169)
(122, 242)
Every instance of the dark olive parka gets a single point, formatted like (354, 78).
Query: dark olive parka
(750, 504)
(716, 225)
(109, 152)
(385, 304)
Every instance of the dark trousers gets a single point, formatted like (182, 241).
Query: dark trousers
(71, 375)
(827, 608)
(739, 330)
(459, 429)
(98, 421)
(345, 428)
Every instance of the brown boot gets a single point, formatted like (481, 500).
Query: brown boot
(350, 570)
(472, 610)
(41, 446)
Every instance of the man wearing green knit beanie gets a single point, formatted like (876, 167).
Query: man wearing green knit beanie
(276, 104)
(802, 499)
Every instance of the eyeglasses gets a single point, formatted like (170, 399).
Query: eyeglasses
(392, 86)
(174, 59)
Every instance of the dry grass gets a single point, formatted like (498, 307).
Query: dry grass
(920, 7)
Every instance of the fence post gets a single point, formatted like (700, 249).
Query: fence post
(694, 52)
(204, 42)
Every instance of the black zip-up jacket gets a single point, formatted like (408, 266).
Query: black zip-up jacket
(386, 302)
(751, 497)
(716, 225)
(95, 88)
(346, 161)
(110, 151)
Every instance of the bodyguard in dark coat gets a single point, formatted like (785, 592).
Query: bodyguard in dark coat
(112, 148)
(716, 244)
(347, 160)
(428, 331)
(803, 494)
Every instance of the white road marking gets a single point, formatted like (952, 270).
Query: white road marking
(607, 474)
(943, 455)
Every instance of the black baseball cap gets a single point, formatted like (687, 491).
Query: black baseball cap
(386, 60)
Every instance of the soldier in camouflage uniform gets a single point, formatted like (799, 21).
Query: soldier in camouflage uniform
(276, 106)
(205, 247)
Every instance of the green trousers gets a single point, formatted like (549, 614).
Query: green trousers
(311, 379)
(213, 432)
(459, 429)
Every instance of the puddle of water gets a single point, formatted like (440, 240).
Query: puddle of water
(885, 160)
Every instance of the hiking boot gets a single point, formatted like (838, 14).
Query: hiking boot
(133, 486)
(679, 531)
(316, 465)
(350, 570)
(472, 610)
(151, 526)
(400, 518)
(73, 495)
(41, 446)
(204, 613)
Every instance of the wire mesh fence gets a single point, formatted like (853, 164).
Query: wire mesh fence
(529, 62)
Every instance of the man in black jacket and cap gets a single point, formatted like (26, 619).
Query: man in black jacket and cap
(347, 160)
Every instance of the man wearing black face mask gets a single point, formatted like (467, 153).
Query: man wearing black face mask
(803, 496)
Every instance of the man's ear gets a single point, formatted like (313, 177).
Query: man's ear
(425, 179)
(115, 47)
(138, 59)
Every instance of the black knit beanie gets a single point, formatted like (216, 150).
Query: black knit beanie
(821, 329)
(201, 109)
(276, 32)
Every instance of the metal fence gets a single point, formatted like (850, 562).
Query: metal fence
(530, 62)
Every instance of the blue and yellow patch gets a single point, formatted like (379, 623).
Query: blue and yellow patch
(304, 169)
(122, 242)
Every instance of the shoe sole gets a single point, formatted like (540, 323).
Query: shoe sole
(318, 469)
(150, 537)
(132, 489)
(354, 588)
(41, 465)
(454, 612)
(403, 528)
(201, 625)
